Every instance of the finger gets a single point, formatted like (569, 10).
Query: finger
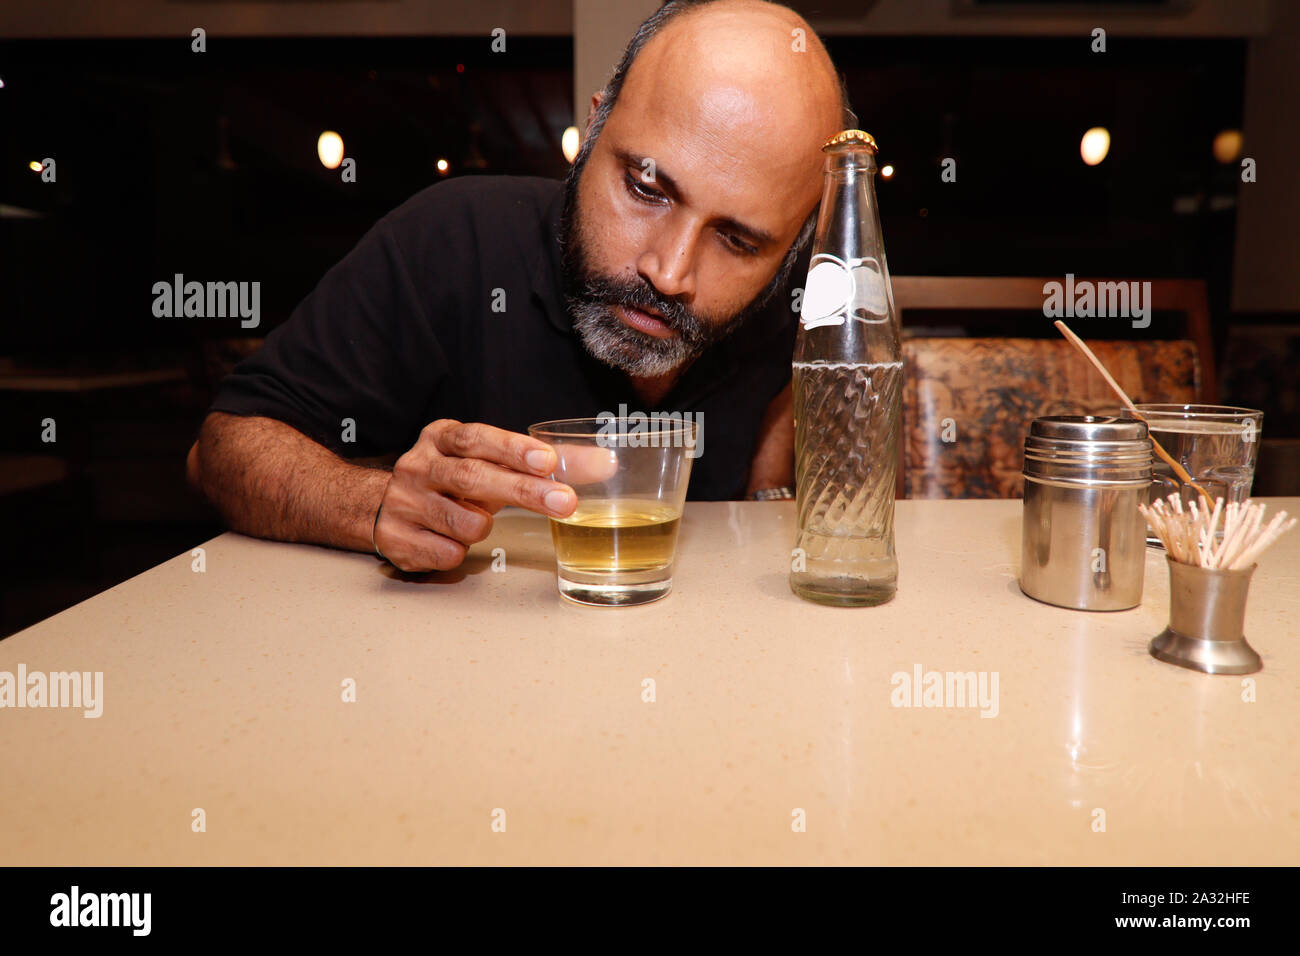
(458, 520)
(420, 527)
(474, 479)
(581, 464)
(491, 507)
(434, 552)
(413, 549)
(489, 443)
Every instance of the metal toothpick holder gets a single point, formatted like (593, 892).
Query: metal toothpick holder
(1207, 616)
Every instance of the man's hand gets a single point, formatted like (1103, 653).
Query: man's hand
(445, 490)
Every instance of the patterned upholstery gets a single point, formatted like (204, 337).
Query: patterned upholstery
(991, 389)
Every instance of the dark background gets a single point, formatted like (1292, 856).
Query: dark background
(170, 162)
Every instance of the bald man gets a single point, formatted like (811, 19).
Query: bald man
(655, 275)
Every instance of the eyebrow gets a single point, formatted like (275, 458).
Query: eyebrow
(758, 236)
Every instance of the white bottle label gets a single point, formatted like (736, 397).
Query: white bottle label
(837, 290)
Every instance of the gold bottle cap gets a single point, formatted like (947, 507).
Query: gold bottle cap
(851, 137)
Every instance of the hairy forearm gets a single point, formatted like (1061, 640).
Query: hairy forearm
(268, 479)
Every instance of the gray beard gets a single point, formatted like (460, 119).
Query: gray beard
(638, 353)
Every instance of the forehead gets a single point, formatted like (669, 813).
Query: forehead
(731, 114)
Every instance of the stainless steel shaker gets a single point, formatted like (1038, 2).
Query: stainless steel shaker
(1083, 541)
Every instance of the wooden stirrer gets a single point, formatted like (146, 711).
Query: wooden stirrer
(1179, 470)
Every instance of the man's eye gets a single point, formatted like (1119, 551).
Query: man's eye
(639, 191)
(739, 245)
(654, 196)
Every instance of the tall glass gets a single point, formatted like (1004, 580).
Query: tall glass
(630, 475)
(1217, 444)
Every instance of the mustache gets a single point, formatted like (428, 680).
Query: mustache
(643, 296)
(695, 332)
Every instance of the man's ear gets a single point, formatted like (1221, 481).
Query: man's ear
(591, 112)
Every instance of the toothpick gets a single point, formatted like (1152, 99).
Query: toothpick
(1190, 535)
(1265, 541)
(1179, 470)
(1233, 541)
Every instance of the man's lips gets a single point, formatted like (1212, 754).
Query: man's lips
(645, 322)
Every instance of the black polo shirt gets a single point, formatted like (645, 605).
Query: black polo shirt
(451, 306)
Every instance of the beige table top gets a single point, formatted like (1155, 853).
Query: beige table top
(481, 691)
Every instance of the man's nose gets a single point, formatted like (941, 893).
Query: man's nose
(669, 262)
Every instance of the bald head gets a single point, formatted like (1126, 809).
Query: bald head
(757, 67)
(698, 178)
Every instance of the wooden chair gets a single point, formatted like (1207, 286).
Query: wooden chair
(968, 402)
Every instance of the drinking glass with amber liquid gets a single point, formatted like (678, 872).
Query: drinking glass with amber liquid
(630, 475)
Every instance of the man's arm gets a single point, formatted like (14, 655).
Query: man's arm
(268, 479)
(773, 464)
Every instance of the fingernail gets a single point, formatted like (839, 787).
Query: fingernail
(558, 501)
(538, 459)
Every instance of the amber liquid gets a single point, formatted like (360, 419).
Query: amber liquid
(609, 535)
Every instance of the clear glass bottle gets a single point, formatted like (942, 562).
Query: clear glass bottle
(848, 374)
